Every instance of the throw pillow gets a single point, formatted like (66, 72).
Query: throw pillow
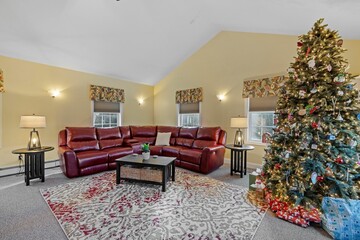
(163, 139)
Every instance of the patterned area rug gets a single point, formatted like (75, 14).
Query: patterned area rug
(193, 207)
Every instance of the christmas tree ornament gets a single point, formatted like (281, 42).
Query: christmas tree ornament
(329, 172)
(339, 117)
(353, 143)
(314, 146)
(314, 125)
(339, 78)
(348, 101)
(314, 176)
(314, 89)
(302, 112)
(291, 70)
(331, 137)
(349, 86)
(320, 178)
(311, 63)
(358, 116)
(329, 67)
(313, 109)
(340, 93)
(339, 160)
(299, 44)
(308, 51)
(340, 42)
(277, 166)
(302, 93)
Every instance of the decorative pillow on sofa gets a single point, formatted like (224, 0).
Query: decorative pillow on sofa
(163, 139)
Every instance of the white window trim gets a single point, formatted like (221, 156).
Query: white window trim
(248, 141)
(92, 114)
(178, 114)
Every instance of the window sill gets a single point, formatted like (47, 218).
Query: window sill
(256, 143)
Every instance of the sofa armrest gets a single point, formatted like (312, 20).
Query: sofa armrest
(212, 158)
(68, 161)
(134, 144)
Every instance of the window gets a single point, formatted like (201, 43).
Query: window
(106, 114)
(189, 114)
(262, 118)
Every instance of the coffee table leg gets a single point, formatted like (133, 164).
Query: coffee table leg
(117, 173)
(163, 179)
(173, 171)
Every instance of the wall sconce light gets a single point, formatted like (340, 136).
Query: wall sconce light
(55, 93)
(220, 97)
(141, 101)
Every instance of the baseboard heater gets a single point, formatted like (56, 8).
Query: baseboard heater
(15, 170)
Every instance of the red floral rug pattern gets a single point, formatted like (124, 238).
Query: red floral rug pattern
(193, 207)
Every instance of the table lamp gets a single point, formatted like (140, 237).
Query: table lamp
(33, 122)
(239, 123)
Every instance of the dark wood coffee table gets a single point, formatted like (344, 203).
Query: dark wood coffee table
(161, 163)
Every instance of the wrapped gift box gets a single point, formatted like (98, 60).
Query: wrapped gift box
(341, 218)
(253, 176)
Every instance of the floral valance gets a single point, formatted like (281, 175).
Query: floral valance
(1, 81)
(263, 87)
(106, 94)
(193, 95)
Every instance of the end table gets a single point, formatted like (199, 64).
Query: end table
(239, 158)
(34, 162)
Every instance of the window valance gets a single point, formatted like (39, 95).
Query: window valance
(263, 87)
(193, 95)
(2, 81)
(106, 94)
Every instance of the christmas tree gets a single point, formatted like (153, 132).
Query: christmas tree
(314, 151)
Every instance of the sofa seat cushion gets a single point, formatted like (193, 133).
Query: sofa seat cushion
(117, 152)
(200, 144)
(171, 151)
(190, 155)
(156, 150)
(91, 158)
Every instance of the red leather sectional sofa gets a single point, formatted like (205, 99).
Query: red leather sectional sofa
(87, 150)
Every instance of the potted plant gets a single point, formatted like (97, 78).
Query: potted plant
(145, 148)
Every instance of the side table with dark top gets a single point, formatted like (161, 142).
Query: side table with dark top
(34, 162)
(161, 163)
(238, 159)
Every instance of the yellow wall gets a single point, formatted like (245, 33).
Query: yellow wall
(220, 67)
(27, 87)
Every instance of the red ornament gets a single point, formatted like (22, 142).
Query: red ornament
(277, 166)
(339, 160)
(308, 51)
(314, 124)
(299, 44)
(314, 109)
(320, 178)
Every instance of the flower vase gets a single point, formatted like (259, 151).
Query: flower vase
(146, 155)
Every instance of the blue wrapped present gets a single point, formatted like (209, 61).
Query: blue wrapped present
(341, 218)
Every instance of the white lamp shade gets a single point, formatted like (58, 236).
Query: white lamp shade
(32, 121)
(239, 122)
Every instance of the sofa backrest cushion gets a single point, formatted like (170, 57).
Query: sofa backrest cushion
(125, 132)
(208, 133)
(174, 132)
(81, 138)
(144, 134)
(109, 137)
(186, 137)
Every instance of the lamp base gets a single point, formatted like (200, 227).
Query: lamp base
(34, 141)
(239, 138)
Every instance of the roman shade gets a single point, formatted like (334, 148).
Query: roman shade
(263, 104)
(189, 108)
(194, 95)
(107, 94)
(106, 107)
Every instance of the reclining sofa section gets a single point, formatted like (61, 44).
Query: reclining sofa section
(87, 150)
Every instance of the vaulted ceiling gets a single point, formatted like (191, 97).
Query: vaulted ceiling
(144, 40)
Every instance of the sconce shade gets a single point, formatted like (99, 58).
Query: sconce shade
(32, 121)
(238, 122)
